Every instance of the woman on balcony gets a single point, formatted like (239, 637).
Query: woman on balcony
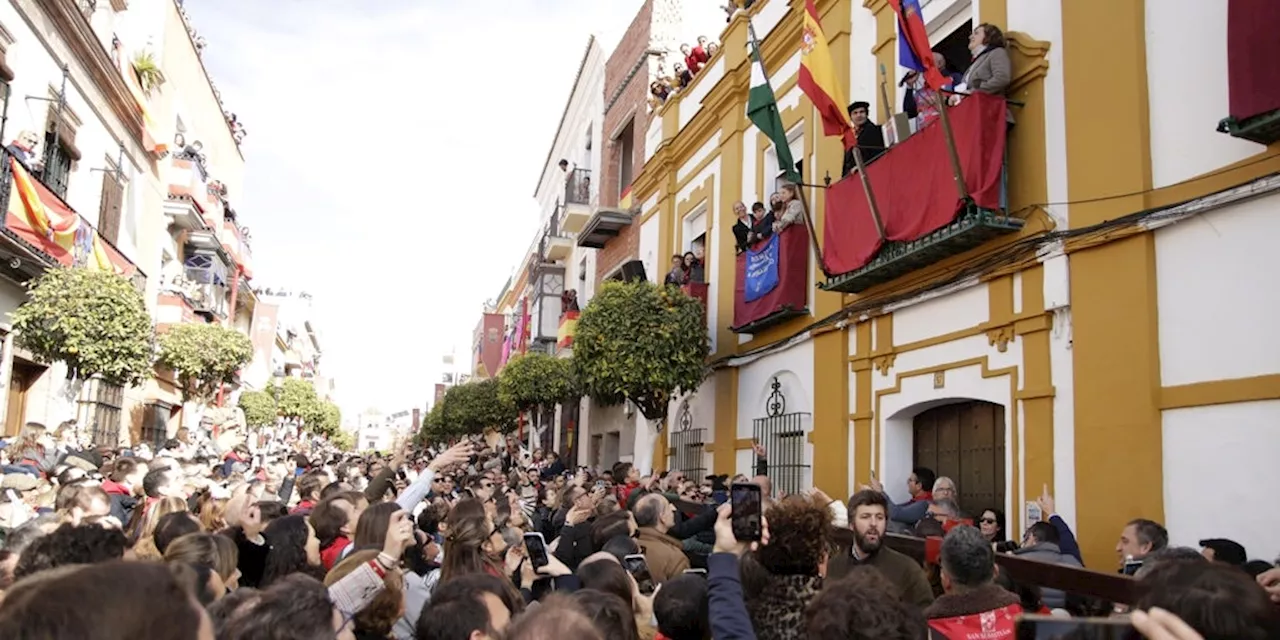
(678, 275)
(991, 71)
(792, 208)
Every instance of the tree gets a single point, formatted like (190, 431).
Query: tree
(537, 380)
(95, 321)
(472, 407)
(343, 440)
(298, 400)
(433, 426)
(328, 419)
(643, 343)
(204, 356)
(259, 408)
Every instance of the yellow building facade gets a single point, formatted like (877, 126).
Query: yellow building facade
(1063, 356)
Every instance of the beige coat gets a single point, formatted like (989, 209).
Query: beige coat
(991, 73)
(664, 555)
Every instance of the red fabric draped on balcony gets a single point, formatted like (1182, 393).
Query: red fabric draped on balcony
(1253, 47)
(914, 186)
(792, 290)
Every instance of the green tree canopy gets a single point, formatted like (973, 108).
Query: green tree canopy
(204, 356)
(472, 407)
(259, 408)
(641, 342)
(343, 440)
(328, 419)
(534, 380)
(298, 399)
(433, 426)
(94, 321)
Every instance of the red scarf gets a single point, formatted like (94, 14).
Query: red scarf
(924, 496)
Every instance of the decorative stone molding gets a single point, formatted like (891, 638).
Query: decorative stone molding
(1000, 337)
(884, 363)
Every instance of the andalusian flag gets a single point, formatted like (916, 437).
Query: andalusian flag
(762, 109)
(818, 79)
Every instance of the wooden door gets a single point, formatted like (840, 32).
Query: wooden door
(24, 375)
(965, 441)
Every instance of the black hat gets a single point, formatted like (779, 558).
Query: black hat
(1226, 551)
(859, 104)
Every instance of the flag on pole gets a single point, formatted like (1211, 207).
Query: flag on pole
(913, 43)
(762, 110)
(818, 79)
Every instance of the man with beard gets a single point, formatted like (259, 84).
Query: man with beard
(868, 515)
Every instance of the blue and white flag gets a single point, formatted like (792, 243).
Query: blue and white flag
(762, 270)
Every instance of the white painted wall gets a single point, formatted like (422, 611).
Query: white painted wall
(1187, 90)
(691, 98)
(1217, 318)
(1218, 460)
(960, 310)
(654, 267)
(794, 369)
(864, 74)
(1043, 21)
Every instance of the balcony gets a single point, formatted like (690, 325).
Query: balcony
(924, 219)
(603, 226)
(568, 328)
(1254, 95)
(772, 281)
(579, 195)
(205, 273)
(47, 229)
(173, 307)
(697, 290)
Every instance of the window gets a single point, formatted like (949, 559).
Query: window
(100, 407)
(626, 147)
(110, 206)
(57, 164)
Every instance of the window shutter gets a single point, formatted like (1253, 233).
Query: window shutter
(109, 208)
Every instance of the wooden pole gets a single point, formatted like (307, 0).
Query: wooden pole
(866, 187)
(956, 170)
(813, 231)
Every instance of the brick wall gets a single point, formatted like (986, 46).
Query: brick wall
(621, 79)
(617, 251)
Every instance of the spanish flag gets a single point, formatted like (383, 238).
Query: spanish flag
(818, 79)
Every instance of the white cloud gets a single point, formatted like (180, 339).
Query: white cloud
(389, 159)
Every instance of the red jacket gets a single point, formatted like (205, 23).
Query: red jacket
(115, 488)
(330, 555)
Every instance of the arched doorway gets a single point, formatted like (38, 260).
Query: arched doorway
(964, 441)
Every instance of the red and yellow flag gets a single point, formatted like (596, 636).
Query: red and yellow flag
(818, 79)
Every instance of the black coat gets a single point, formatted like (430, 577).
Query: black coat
(870, 142)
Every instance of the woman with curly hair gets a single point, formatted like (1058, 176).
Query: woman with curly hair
(294, 549)
(376, 618)
(795, 561)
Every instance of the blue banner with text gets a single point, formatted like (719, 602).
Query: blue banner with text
(762, 270)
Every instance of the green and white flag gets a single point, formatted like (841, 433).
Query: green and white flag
(762, 109)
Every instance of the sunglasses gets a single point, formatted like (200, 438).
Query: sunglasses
(987, 520)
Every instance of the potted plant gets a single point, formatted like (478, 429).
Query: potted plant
(150, 77)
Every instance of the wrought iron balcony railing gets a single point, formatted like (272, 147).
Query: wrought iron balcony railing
(578, 188)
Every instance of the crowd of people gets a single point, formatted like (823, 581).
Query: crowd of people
(758, 224)
(485, 539)
(683, 71)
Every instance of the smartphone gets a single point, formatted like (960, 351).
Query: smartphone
(639, 569)
(536, 547)
(1044, 627)
(745, 498)
(696, 572)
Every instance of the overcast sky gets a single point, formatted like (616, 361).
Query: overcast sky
(392, 154)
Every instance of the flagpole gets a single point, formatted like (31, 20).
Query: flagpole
(813, 231)
(956, 170)
(866, 187)
(788, 172)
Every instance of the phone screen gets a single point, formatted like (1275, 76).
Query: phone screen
(639, 569)
(745, 498)
(1051, 628)
(536, 546)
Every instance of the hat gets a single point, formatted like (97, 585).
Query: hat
(859, 104)
(84, 460)
(1224, 550)
(19, 482)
